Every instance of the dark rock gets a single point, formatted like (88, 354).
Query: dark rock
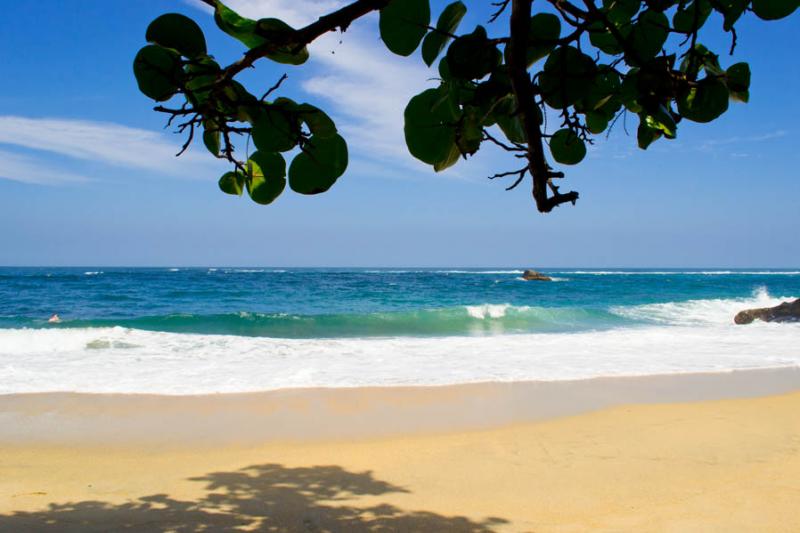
(785, 312)
(532, 275)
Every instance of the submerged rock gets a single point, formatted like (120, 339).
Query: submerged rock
(785, 312)
(532, 275)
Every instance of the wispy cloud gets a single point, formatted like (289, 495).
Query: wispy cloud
(712, 143)
(26, 169)
(96, 142)
(294, 12)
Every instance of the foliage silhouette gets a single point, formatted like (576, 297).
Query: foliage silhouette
(267, 497)
(558, 78)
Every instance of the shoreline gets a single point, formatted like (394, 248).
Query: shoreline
(309, 414)
(699, 464)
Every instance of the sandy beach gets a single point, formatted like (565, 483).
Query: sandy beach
(600, 462)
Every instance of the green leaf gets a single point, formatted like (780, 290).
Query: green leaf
(238, 27)
(318, 167)
(661, 120)
(566, 77)
(158, 72)
(621, 11)
(275, 129)
(705, 102)
(508, 120)
(451, 159)
(403, 24)
(544, 31)
(271, 29)
(603, 39)
(692, 17)
(179, 33)
(731, 10)
(469, 133)
(472, 56)
(211, 136)
(201, 76)
(267, 176)
(645, 136)
(774, 9)
(448, 22)
(567, 148)
(429, 126)
(649, 35)
(596, 121)
(738, 81)
(232, 183)
(318, 122)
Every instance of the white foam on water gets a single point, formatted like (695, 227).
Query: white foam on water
(699, 312)
(129, 361)
(485, 311)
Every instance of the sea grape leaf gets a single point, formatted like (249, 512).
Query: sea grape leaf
(318, 122)
(774, 9)
(275, 130)
(705, 102)
(266, 176)
(178, 32)
(232, 183)
(566, 77)
(738, 81)
(648, 35)
(472, 56)
(272, 29)
(403, 24)
(544, 31)
(319, 165)
(158, 72)
(241, 28)
(566, 147)
(429, 126)
(435, 41)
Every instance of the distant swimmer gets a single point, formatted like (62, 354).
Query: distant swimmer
(55, 319)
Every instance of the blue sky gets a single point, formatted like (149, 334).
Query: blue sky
(88, 174)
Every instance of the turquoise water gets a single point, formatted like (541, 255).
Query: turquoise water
(312, 303)
(203, 330)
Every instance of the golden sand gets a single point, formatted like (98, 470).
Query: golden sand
(728, 465)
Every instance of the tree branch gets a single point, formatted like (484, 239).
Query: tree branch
(523, 90)
(339, 19)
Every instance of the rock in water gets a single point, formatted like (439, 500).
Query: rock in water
(785, 312)
(532, 275)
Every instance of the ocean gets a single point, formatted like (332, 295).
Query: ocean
(215, 330)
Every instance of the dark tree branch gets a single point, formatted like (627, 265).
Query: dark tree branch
(339, 19)
(523, 91)
(274, 87)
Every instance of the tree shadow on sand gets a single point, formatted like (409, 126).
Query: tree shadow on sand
(267, 497)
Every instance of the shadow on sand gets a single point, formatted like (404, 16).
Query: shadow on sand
(267, 497)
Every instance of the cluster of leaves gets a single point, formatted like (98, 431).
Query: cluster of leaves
(629, 70)
(584, 66)
(177, 62)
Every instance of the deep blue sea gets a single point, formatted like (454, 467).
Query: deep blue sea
(197, 330)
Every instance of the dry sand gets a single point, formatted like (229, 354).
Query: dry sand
(712, 465)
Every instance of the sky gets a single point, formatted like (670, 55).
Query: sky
(88, 173)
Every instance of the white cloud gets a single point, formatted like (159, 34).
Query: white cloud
(296, 13)
(102, 142)
(26, 169)
(711, 143)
